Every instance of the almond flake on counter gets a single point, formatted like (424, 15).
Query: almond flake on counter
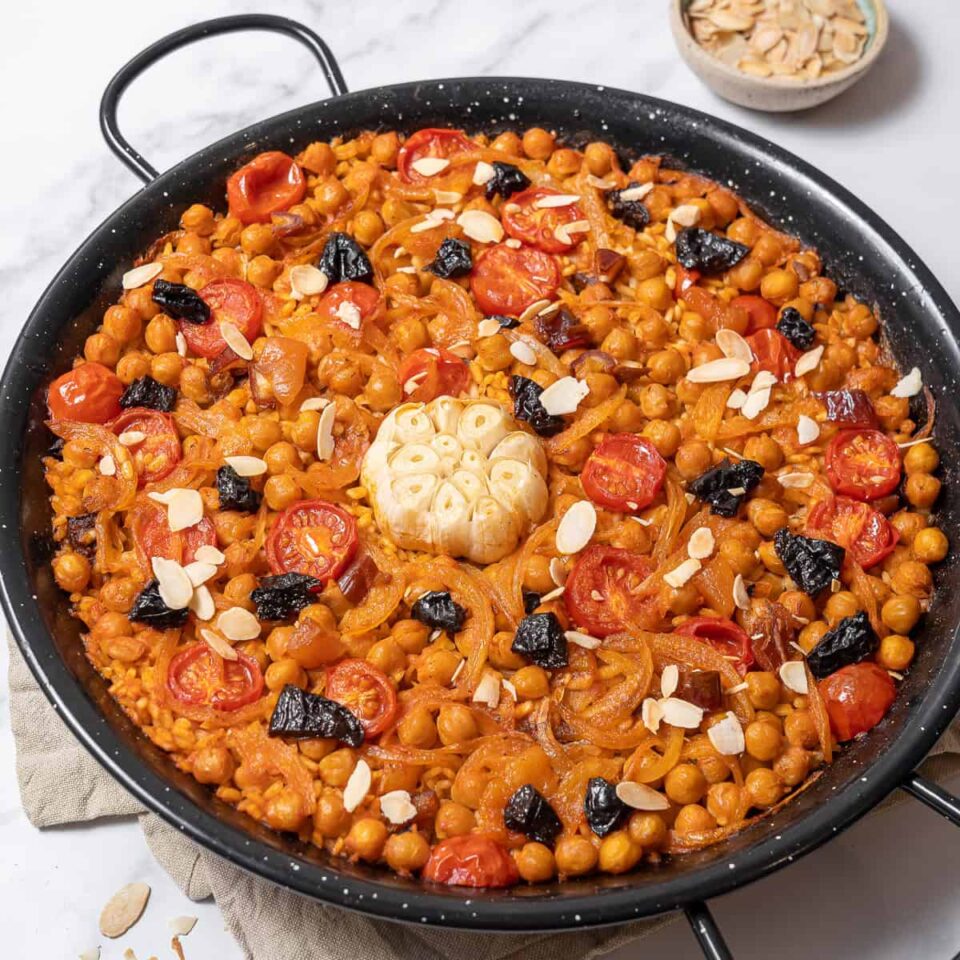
(679, 575)
(483, 173)
(202, 604)
(349, 313)
(809, 361)
(92, 954)
(173, 584)
(480, 226)
(807, 429)
(523, 352)
(669, 680)
(727, 736)
(325, 442)
(638, 192)
(795, 481)
(556, 200)
(651, 713)
(123, 909)
(563, 396)
(238, 624)
(557, 573)
(236, 341)
(740, 596)
(793, 673)
(736, 399)
(701, 543)
(430, 166)
(731, 344)
(244, 466)
(218, 644)
(488, 690)
(358, 786)
(200, 572)
(909, 385)
(306, 280)
(582, 639)
(139, 276)
(397, 806)
(576, 527)
(639, 796)
(181, 926)
(681, 713)
(488, 327)
(716, 371)
(107, 466)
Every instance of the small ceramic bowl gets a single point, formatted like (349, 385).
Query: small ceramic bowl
(778, 94)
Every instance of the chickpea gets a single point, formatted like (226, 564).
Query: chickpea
(684, 600)
(908, 525)
(538, 143)
(213, 764)
(922, 490)
(132, 366)
(386, 655)
(922, 458)
(280, 491)
(193, 384)
(282, 672)
(366, 839)
(764, 450)
(335, 768)
(407, 851)
(738, 555)
(537, 576)
(122, 323)
(161, 334)
(264, 432)
(284, 811)
(501, 655)
(279, 456)
(768, 250)
(800, 730)
(384, 149)
(901, 613)
(563, 163)
(798, 603)
(746, 275)
(383, 391)
(531, 682)
(102, 348)
(319, 158)
(456, 724)
(763, 689)
(453, 820)
(507, 142)
(812, 634)
(656, 402)
(692, 458)
(763, 740)
(841, 604)
(438, 666)
(409, 334)
(744, 230)
(535, 862)
(417, 729)
(766, 515)
(166, 368)
(367, 227)
(655, 293)
(602, 387)
(792, 766)
(621, 344)
(895, 652)
(764, 787)
(575, 856)
(330, 194)
(599, 158)
(600, 321)
(410, 635)
(402, 285)
(912, 577)
(71, 571)
(723, 803)
(118, 593)
(627, 418)
(694, 329)
(685, 783)
(493, 353)
(330, 819)
(648, 830)
(693, 818)
(769, 558)
(257, 239)
(618, 853)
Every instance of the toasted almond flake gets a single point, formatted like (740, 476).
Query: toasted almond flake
(181, 342)
(738, 688)
(564, 231)
(447, 196)
(236, 341)
(564, 396)
(756, 402)
(407, 270)
(358, 786)
(764, 380)
(510, 688)
(306, 280)
(807, 429)
(513, 243)
(238, 624)
(107, 466)
(599, 183)
(533, 310)
(200, 572)
(556, 200)
(651, 713)
(687, 215)
(913, 443)
(557, 572)
(181, 926)
(488, 327)
(795, 481)
(669, 680)
(793, 673)
(458, 671)
(349, 313)
(809, 361)
(173, 583)
(701, 543)
(597, 595)
(325, 442)
(139, 276)
(522, 351)
(414, 382)
(430, 166)
(740, 596)
(736, 491)
(218, 644)
(488, 690)
(92, 954)
(397, 806)
(550, 309)
(681, 713)
(717, 371)
(639, 796)
(483, 173)
(576, 527)
(643, 521)
(245, 466)
(432, 220)
(481, 226)
(552, 595)
(909, 385)
(636, 193)
(727, 736)
(679, 575)
(582, 639)
(202, 604)
(184, 508)
(736, 399)
(731, 344)
(130, 438)
(311, 403)
(123, 909)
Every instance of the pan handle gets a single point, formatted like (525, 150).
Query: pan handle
(934, 796)
(181, 38)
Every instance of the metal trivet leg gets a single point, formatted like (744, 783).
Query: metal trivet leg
(707, 932)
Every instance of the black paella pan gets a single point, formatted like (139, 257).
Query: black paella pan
(860, 252)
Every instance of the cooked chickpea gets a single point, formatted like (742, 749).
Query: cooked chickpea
(493, 353)
(278, 456)
(284, 811)
(531, 682)
(812, 634)
(453, 820)
(330, 819)
(912, 577)
(409, 334)
(455, 723)
(406, 852)
(367, 227)
(366, 839)
(599, 158)
(655, 293)
(647, 830)
(166, 368)
(384, 148)
(213, 764)
(280, 491)
(792, 766)
(693, 818)
(618, 853)
(800, 730)
(161, 334)
(330, 195)
(685, 783)
(901, 613)
(335, 768)
(537, 576)
(417, 729)
(921, 458)
(71, 571)
(600, 321)
(724, 802)
(766, 515)
(764, 787)
(575, 856)
(930, 545)
(438, 666)
(563, 163)
(895, 652)
(769, 558)
(538, 143)
(692, 458)
(535, 862)
(410, 635)
(665, 366)
(763, 740)
(763, 689)
(764, 450)
(282, 672)
(840, 604)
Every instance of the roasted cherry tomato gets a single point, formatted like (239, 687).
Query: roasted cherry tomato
(471, 860)
(153, 537)
(762, 313)
(526, 219)
(269, 183)
(433, 372)
(625, 472)
(774, 353)
(361, 295)
(685, 279)
(230, 300)
(857, 698)
(312, 537)
(159, 451)
(90, 393)
(506, 281)
(724, 636)
(430, 142)
(366, 691)
(602, 590)
(863, 464)
(199, 676)
(864, 532)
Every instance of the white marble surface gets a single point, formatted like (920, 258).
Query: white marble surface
(884, 890)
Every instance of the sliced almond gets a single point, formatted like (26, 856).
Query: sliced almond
(432, 220)
(325, 441)
(510, 688)
(681, 713)
(679, 575)
(181, 926)
(669, 680)
(909, 385)
(483, 173)
(736, 399)
(397, 806)
(576, 527)
(181, 342)
(687, 215)
(523, 352)
(757, 401)
(727, 736)
(717, 371)
(701, 543)
(731, 344)
(807, 429)
(244, 466)
(235, 340)
(414, 382)
(513, 243)
(218, 644)
(92, 954)
(139, 276)
(533, 310)
(553, 595)
(430, 166)
(349, 313)
(200, 572)
(795, 481)
(123, 909)
(488, 690)
(793, 673)
(738, 688)
(809, 361)
(488, 327)
(447, 196)
(313, 403)
(636, 193)
(357, 787)
(740, 596)
(173, 584)
(306, 280)
(480, 226)
(563, 396)
(651, 713)
(458, 671)
(107, 466)
(209, 554)
(555, 200)
(582, 639)
(184, 509)
(639, 796)
(564, 232)
(202, 604)
(130, 438)
(238, 624)
(764, 380)
(557, 572)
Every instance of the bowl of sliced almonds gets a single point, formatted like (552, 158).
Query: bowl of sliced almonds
(779, 55)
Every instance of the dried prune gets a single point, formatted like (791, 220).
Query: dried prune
(812, 564)
(342, 259)
(708, 252)
(797, 330)
(527, 406)
(529, 813)
(82, 534)
(453, 259)
(355, 582)
(180, 301)
(631, 212)
(149, 608)
(608, 264)
(849, 408)
(302, 714)
(506, 323)
(605, 811)
(235, 491)
(541, 640)
(147, 392)
(701, 687)
(279, 597)
(506, 181)
(531, 600)
(850, 641)
(725, 485)
(561, 330)
(437, 609)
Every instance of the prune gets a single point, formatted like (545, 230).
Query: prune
(561, 331)
(235, 491)
(541, 640)
(180, 301)
(82, 534)
(55, 449)
(605, 811)
(277, 598)
(708, 252)
(849, 408)
(608, 264)
(302, 714)
(529, 813)
(355, 582)
(506, 181)
(147, 392)
(452, 260)
(850, 641)
(149, 608)
(716, 484)
(531, 600)
(527, 406)
(771, 632)
(812, 564)
(506, 323)
(437, 609)
(797, 330)
(631, 212)
(342, 259)
(701, 687)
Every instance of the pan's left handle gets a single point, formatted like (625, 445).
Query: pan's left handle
(199, 31)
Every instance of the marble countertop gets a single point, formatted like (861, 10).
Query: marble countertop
(883, 890)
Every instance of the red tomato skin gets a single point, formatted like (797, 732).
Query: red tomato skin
(430, 142)
(153, 538)
(230, 299)
(762, 313)
(269, 183)
(243, 668)
(364, 297)
(857, 698)
(471, 860)
(864, 532)
(506, 281)
(535, 226)
(331, 515)
(774, 353)
(625, 473)
(724, 636)
(345, 676)
(844, 476)
(447, 374)
(685, 279)
(161, 436)
(89, 393)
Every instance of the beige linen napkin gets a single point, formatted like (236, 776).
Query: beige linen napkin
(60, 783)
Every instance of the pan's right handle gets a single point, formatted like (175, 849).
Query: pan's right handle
(199, 31)
(934, 796)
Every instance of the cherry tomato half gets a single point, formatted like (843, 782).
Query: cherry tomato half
(864, 532)
(762, 313)
(269, 183)
(863, 464)
(199, 676)
(159, 451)
(857, 698)
(364, 297)
(625, 472)
(774, 353)
(685, 279)
(526, 220)
(230, 300)
(601, 593)
(431, 372)
(314, 537)
(471, 860)
(366, 692)
(430, 142)
(153, 537)
(90, 393)
(506, 281)
(725, 636)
